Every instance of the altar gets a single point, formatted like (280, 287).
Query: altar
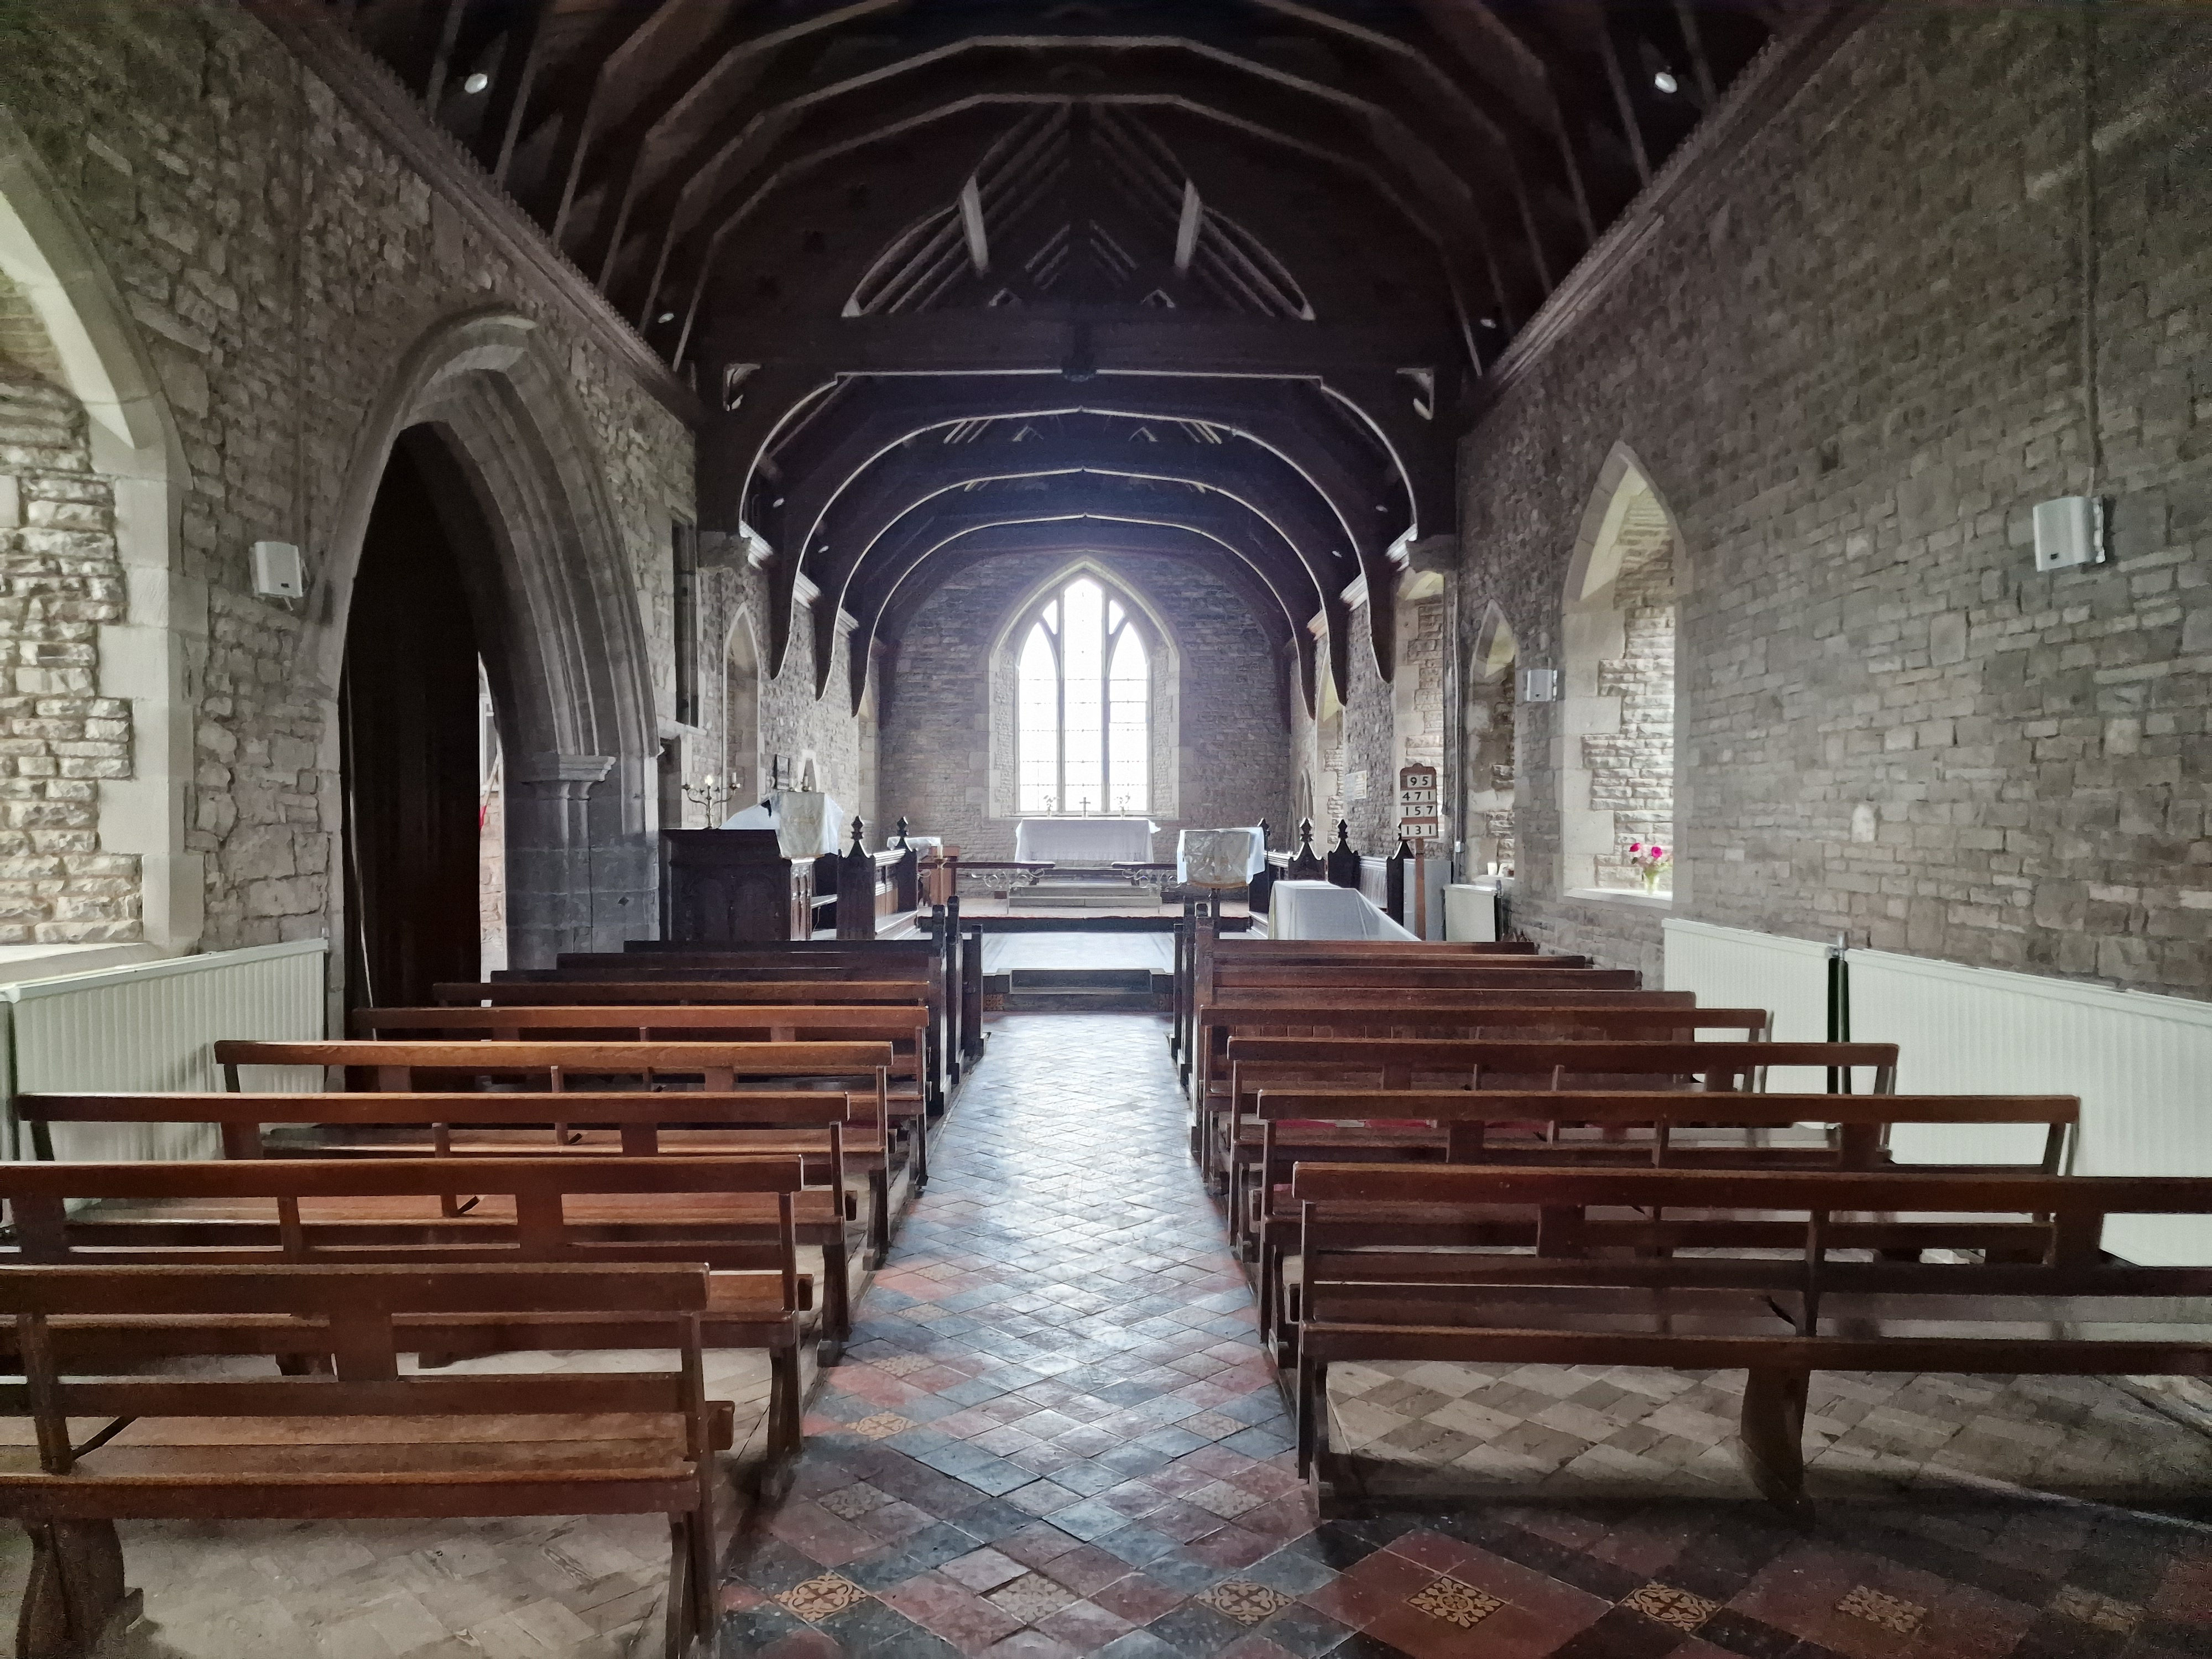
(1085, 841)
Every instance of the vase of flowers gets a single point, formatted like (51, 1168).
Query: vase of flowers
(1650, 861)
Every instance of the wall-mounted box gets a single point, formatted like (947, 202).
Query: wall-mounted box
(2069, 531)
(278, 571)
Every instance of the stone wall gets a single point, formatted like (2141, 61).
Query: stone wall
(936, 725)
(278, 262)
(1851, 360)
(791, 721)
(1632, 769)
(61, 577)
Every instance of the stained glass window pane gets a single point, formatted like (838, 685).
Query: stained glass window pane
(1038, 696)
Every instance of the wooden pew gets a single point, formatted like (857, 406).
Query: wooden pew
(1449, 1014)
(353, 1438)
(833, 961)
(810, 1125)
(395, 1068)
(1597, 1128)
(1595, 1289)
(904, 1026)
(388, 1213)
(1397, 1062)
(822, 991)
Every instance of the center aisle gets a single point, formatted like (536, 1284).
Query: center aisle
(1054, 1434)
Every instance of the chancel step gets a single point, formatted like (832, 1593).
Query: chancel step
(1087, 990)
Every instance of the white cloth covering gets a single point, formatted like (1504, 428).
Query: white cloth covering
(806, 823)
(1321, 909)
(1220, 858)
(1085, 841)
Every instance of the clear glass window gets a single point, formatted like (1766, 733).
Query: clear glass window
(1084, 705)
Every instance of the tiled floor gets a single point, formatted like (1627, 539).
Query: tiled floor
(1052, 1434)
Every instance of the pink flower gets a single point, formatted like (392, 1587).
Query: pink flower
(1658, 852)
(1636, 847)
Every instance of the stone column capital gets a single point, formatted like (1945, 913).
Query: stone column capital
(552, 767)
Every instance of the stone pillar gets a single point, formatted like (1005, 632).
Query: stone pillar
(549, 856)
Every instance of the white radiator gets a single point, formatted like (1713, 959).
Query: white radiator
(149, 1026)
(2142, 1064)
(1736, 968)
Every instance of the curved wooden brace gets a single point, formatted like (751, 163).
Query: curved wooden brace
(1283, 501)
(902, 589)
(888, 615)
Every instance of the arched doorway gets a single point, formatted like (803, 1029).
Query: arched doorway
(1493, 845)
(741, 766)
(410, 715)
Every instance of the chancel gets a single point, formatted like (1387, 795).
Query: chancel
(1230, 828)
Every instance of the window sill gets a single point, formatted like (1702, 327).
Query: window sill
(1664, 900)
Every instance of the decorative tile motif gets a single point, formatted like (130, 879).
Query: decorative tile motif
(902, 1364)
(2100, 1611)
(1891, 1613)
(1455, 1603)
(1223, 1499)
(1246, 1602)
(882, 1426)
(817, 1598)
(1031, 1597)
(1678, 1608)
(851, 1503)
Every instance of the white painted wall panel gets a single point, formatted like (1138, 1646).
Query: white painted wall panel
(1736, 968)
(150, 1025)
(2142, 1064)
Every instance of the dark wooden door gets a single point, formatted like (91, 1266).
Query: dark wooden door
(408, 707)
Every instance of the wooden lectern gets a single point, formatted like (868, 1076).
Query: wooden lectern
(735, 886)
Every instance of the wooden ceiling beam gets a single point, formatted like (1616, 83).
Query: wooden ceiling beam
(904, 579)
(912, 480)
(1107, 540)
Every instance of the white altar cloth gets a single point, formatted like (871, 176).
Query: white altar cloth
(1216, 853)
(1321, 909)
(1085, 841)
(806, 823)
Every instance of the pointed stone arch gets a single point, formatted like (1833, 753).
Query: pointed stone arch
(496, 424)
(1492, 750)
(1615, 734)
(96, 358)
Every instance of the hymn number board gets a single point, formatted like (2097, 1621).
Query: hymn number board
(1419, 817)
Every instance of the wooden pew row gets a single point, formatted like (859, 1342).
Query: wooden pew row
(810, 1126)
(824, 990)
(1592, 1292)
(1202, 953)
(904, 1026)
(1562, 1014)
(206, 1449)
(1213, 985)
(1399, 1062)
(739, 1217)
(835, 963)
(1596, 1128)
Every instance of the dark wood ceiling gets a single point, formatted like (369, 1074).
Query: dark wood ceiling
(1208, 278)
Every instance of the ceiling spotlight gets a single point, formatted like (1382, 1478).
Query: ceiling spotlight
(1666, 82)
(476, 82)
(1489, 322)
(667, 317)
